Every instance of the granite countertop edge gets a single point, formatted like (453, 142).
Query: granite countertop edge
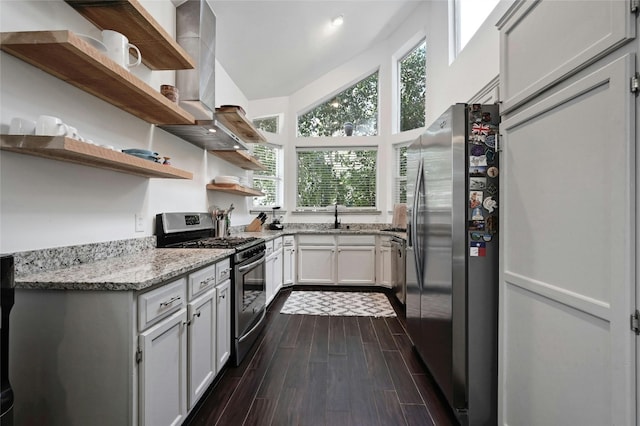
(132, 272)
(152, 266)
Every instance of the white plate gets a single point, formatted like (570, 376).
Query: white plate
(97, 44)
(227, 179)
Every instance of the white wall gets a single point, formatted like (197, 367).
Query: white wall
(447, 84)
(46, 203)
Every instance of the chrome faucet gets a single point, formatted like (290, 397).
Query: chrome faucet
(336, 223)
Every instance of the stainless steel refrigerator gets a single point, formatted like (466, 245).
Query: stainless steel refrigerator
(452, 257)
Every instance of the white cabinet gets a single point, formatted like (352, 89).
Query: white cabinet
(273, 266)
(384, 262)
(201, 344)
(163, 372)
(597, 27)
(356, 260)
(289, 260)
(223, 324)
(316, 259)
(568, 115)
(342, 259)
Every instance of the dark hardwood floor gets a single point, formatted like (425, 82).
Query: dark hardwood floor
(320, 370)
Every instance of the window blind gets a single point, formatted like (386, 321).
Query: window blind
(329, 175)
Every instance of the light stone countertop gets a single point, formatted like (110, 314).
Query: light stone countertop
(132, 272)
(137, 270)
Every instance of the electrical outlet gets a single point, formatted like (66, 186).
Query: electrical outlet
(139, 222)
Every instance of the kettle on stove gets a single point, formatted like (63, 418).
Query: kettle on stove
(275, 224)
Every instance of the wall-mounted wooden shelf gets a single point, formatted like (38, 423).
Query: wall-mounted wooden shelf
(158, 49)
(240, 159)
(234, 188)
(68, 57)
(74, 151)
(234, 119)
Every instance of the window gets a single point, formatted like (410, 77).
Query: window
(468, 15)
(268, 181)
(267, 124)
(400, 174)
(413, 84)
(343, 176)
(357, 106)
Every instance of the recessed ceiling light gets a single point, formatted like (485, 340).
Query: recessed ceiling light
(212, 130)
(337, 21)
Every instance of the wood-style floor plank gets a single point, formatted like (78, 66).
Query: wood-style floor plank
(326, 371)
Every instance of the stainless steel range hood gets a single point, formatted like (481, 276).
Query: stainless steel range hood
(208, 134)
(196, 33)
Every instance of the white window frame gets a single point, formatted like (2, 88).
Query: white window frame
(455, 23)
(397, 179)
(343, 209)
(421, 38)
(278, 179)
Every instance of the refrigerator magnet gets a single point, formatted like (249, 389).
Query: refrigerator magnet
(476, 236)
(475, 199)
(477, 150)
(477, 183)
(492, 224)
(490, 204)
(480, 160)
(490, 141)
(491, 189)
(477, 249)
(476, 214)
(487, 237)
(476, 225)
(480, 129)
(477, 171)
(491, 156)
(493, 171)
(486, 117)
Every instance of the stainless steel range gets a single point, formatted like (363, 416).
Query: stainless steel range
(196, 230)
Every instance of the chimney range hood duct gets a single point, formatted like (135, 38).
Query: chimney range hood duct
(196, 33)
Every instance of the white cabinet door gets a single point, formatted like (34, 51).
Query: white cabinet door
(277, 271)
(163, 372)
(223, 325)
(356, 265)
(568, 259)
(316, 264)
(289, 265)
(270, 285)
(543, 42)
(384, 266)
(201, 345)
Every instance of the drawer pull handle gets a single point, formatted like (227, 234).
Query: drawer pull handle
(207, 281)
(193, 318)
(169, 302)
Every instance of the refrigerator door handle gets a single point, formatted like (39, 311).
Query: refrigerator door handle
(417, 249)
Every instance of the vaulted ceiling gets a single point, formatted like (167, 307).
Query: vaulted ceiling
(272, 48)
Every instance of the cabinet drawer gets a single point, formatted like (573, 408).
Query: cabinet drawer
(316, 240)
(202, 280)
(289, 240)
(356, 240)
(268, 247)
(277, 244)
(223, 270)
(159, 303)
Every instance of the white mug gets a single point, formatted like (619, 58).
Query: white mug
(118, 48)
(72, 132)
(50, 126)
(22, 126)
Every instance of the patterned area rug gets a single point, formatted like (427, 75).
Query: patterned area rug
(336, 303)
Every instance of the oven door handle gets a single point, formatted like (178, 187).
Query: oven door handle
(252, 264)
(248, 333)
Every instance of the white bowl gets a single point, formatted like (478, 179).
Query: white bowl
(227, 179)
